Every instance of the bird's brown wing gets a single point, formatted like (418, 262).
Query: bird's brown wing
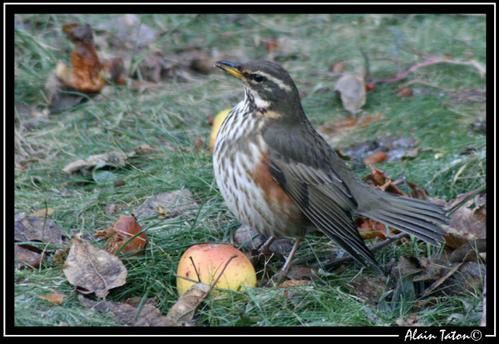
(299, 160)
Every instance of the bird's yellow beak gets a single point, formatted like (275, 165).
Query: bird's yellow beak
(232, 68)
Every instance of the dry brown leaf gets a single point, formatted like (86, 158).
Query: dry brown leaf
(271, 45)
(333, 131)
(370, 86)
(375, 158)
(173, 203)
(182, 312)
(26, 257)
(59, 98)
(378, 178)
(93, 270)
(54, 298)
(417, 191)
(353, 92)
(370, 229)
(465, 225)
(202, 64)
(125, 236)
(470, 277)
(143, 149)
(469, 251)
(128, 313)
(84, 75)
(45, 212)
(410, 320)
(297, 272)
(33, 228)
(389, 148)
(369, 288)
(87, 73)
(113, 70)
(198, 144)
(349, 123)
(113, 208)
(114, 159)
(406, 266)
(404, 92)
(338, 67)
(293, 283)
(154, 66)
(60, 256)
(441, 280)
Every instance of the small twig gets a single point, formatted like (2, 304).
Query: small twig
(441, 280)
(212, 285)
(186, 278)
(331, 263)
(462, 199)
(426, 83)
(221, 273)
(195, 269)
(432, 60)
(367, 69)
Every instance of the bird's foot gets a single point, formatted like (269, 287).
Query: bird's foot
(264, 249)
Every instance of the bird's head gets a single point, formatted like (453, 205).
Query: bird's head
(267, 84)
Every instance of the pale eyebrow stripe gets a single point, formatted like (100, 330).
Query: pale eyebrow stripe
(278, 82)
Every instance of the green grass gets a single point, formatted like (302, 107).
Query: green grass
(176, 114)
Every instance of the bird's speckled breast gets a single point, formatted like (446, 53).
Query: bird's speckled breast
(240, 162)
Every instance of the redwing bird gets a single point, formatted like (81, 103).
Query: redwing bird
(279, 176)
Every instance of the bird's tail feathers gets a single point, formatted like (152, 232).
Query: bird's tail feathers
(422, 219)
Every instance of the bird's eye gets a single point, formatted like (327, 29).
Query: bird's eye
(258, 78)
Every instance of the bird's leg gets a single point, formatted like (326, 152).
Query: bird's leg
(265, 247)
(291, 255)
(281, 275)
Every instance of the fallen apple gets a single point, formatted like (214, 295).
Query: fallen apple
(217, 122)
(208, 262)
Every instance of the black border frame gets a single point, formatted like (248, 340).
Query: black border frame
(9, 10)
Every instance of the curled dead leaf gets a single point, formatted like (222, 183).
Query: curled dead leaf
(125, 236)
(369, 288)
(93, 270)
(338, 67)
(404, 92)
(378, 178)
(143, 149)
(172, 204)
(37, 229)
(409, 320)
(293, 283)
(44, 212)
(84, 75)
(27, 258)
(370, 229)
(128, 313)
(465, 225)
(182, 312)
(54, 298)
(375, 158)
(87, 74)
(114, 159)
(297, 272)
(388, 148)
(352, 90)
(335, 130)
